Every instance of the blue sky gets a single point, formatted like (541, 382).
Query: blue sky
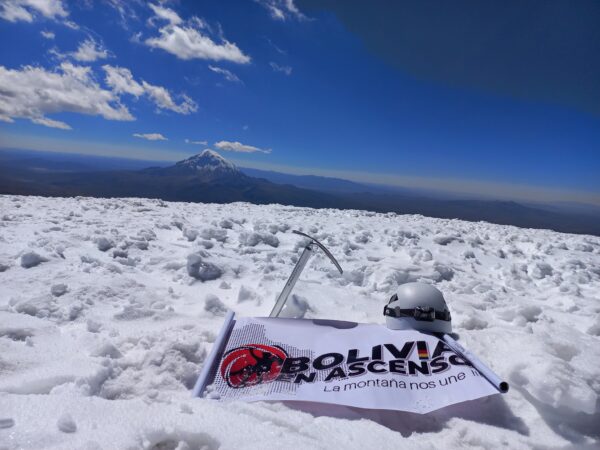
(305, 88)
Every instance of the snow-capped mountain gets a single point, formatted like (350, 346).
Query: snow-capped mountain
(206, 167)
(209, 161)
(209, 177)
(107, 316)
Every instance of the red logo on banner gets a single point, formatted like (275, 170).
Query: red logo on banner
(252, 364)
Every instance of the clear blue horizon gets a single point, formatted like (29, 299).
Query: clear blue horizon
(300, 88)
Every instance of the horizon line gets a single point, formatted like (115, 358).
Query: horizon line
(471, 187)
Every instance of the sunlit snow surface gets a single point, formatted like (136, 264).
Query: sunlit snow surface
(103, 330)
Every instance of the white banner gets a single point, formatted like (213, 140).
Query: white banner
(360, 365)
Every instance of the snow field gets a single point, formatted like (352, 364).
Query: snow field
(108, 308)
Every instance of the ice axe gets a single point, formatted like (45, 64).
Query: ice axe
(291, 282)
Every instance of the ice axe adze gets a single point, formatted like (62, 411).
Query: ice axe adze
(291, 282)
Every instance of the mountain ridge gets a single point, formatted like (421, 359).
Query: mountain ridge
(213, 179)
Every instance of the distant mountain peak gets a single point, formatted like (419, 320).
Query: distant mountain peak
(208, 160)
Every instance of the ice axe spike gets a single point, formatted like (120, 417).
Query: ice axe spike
(298, 268)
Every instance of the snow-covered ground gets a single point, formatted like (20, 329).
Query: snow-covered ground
(105, 323)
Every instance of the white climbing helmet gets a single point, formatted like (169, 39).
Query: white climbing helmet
(418, 306)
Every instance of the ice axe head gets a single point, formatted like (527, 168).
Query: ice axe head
(322, 247)
(289, 286)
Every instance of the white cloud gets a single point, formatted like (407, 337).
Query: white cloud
(121, 81)
(125, 9)
(239, 147)
(13, 12)
(283, 69)
(163, 99)
(89, 50)
(27, 10)
(187, 141)
(282, 9)
(70, 24)
(32, 92)
(277, 48)
(166, 14)
(47, 122)
(150, 136)
(228, 75)
(47, 34)
(136, 38)
(190, 40)
(48, 8)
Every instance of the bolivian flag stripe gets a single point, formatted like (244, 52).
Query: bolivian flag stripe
(422, 350)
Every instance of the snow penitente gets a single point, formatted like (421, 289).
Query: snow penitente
(122, 344)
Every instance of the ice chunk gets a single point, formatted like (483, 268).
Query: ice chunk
(227, 224)
(146, 235)
(217, 234)
(32, 259)
(444, 240)
(15, 333)
(445, 273)
(104, 244)
(530, 313)
(6, 423)
(541, 270)
(420, 255)
(215, 306)
(594, 330)
(190, 234)
(132, 312)
(93, 326)
(474, 323)
(253, 239)
(245, 294)
(186, 409)
(202, 270)
(584, 247)
(174, 265)
(468, 254)
(296, 307)
(142, 245)
(108, 350)
(58, 289)
(119, 253)
(207, 244)
(66, 424)
(41, 306)
(363, 238)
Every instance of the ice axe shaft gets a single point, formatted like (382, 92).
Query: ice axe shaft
(291, 282)
(484, 370)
